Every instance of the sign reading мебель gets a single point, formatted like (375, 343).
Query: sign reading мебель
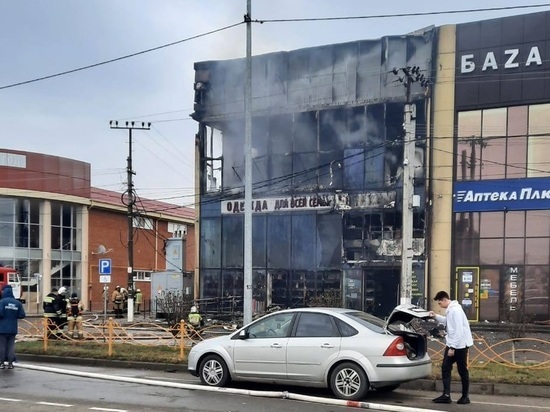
(510, 194)
(281, 204)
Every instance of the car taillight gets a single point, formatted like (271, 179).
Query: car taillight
(397, 348)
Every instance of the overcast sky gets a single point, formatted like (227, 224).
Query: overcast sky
(69, 115)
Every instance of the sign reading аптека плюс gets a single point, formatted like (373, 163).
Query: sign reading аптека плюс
(511, 194)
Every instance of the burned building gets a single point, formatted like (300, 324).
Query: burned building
(327, 156)
(328, 171)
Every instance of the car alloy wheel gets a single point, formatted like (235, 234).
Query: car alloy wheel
(213, 371)
(348, 381)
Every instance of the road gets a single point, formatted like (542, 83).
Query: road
(35, 387)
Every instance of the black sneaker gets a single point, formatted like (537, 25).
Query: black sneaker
(10, 365)
(442, 399)
(463, 400)
(2, 366)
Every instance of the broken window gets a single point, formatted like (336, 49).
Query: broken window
(213, 159)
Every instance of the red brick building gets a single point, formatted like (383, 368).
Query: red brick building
(54, 228)
(108, 234)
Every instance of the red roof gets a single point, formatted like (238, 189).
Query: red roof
(151, 206)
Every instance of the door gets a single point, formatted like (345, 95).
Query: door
(312, 347)
(263, 354)
(467, 291)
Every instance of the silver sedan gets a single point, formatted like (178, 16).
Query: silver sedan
(348, 351)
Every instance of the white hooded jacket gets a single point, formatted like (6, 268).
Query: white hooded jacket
(459, 335)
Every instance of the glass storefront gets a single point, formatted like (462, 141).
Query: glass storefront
(300, 253)
(21, 228)
(511, 248)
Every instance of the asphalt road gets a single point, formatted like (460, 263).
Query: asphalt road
(41, 387)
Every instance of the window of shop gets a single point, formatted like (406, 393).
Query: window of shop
(259, 241)
(537, 290)
(498, 242)
(503, 143)
(516, 145)
(141, 222)
(65, 273)
(278, 241)
(7, 212)
(539, 141)
(20, 223)
(210, 284)
(232, 284)
(279, 140)
(303, 241)
(232, 242)
(210, 243)
(65, 227)
(142, 275)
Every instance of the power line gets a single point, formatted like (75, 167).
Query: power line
(384, 16)
(236, 191)
(156, 114)
(119, 58)
(379, 16)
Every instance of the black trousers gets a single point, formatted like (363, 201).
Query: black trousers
(461, 359)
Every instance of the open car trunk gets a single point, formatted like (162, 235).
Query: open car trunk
(401, 322)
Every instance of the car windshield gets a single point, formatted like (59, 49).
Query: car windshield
(370, 321)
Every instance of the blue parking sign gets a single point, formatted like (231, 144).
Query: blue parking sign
(104, 266)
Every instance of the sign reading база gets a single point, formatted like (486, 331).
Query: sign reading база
(511, 194)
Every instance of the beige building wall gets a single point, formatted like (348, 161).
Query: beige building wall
(442, 164)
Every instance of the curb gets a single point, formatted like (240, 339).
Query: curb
(430, 385)
(105, 363)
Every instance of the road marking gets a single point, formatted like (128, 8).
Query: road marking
(514, 405)
(11, 400)
(64, 405)
(108, 410)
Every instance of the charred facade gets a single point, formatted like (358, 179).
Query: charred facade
(327, 144)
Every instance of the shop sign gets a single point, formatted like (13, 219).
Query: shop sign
(13, 160)
(281, 204)
(491, 195)
(513, 288)
(508, 59)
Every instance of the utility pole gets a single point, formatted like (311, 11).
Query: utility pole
(410, 75)
(247, 264)
(130, 205)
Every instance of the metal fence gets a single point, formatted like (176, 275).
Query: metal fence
(520, 353)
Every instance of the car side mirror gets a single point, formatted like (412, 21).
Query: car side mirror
(243, 334)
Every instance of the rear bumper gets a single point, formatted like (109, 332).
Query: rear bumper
(398, 372)
(412, 365)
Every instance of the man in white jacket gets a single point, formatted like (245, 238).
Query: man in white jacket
(458, 339)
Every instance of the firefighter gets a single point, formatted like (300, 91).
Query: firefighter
(74, 313)
(63, 306)
(138, 300)
(118, 300)
(52, 311)
(124, 292)
(195, 318)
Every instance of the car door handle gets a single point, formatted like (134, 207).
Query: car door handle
(327, 346)
(276, 346)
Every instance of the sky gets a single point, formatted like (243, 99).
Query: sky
(68, 115)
